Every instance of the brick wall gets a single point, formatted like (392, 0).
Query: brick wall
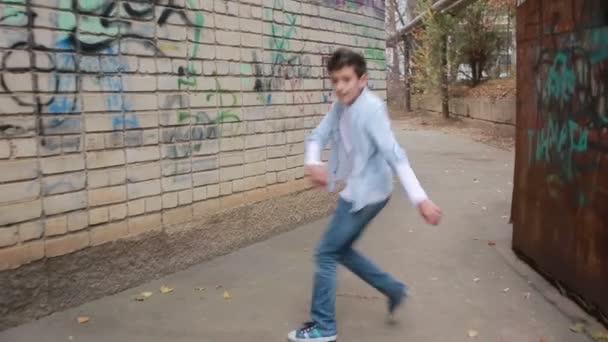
(119, 118)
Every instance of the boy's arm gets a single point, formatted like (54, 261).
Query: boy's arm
(382, 135)
(318, 139)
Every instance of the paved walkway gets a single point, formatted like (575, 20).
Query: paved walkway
(459, 282)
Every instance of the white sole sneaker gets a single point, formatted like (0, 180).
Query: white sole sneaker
(292, 337)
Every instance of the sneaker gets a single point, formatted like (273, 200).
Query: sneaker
(311, 332)
(394, 304)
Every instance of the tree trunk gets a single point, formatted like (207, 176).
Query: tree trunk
(406, 75)
(473, 66)
(445, 100)
(391, 29)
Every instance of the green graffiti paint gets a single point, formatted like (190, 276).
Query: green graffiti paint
(377, 56)
(13, 15)
(281, 37)
(599, 45)
(561, 79)
(188, 80)
(559, 142)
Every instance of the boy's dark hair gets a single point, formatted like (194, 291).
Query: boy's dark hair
(343, 57)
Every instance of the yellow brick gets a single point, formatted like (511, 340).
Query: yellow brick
(66, 244)
(232, 201)
(98, 215)
(16, 256)
(8, 236)
(256, 195)
(109, 232)
(206, 207)
(108, 195)
(146, 223)
(56, 226)
(177, 215)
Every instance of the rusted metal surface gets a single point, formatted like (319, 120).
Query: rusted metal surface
(560, 199)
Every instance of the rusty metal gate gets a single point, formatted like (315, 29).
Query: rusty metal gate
(560, 199)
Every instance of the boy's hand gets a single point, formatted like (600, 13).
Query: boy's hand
(318, 175)
(430, 212)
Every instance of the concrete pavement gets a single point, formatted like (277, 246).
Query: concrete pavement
(459, 282)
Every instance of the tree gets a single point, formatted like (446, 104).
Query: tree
(478, 37)
(431, 58)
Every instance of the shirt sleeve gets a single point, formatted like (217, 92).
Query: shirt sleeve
(381, 133)
(319, 138)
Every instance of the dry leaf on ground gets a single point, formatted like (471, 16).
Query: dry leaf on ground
(166, 289)
(600, 336)
(473, 333)
(578, 327)
(227, 295)
(143, 296)
(83, 319)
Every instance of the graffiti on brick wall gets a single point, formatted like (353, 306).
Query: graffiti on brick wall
(89, 36)
(377, 6)
(571, 135)
(286, 68)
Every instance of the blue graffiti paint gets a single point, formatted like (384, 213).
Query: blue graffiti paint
(120, 122)
(65, 100)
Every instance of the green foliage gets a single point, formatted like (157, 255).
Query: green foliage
(428, 44)
(474, 37)
(479, 36)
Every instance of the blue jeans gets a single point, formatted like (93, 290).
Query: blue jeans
(336, 247)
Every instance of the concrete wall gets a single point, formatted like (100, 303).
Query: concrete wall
(497, 111)
(124, 120)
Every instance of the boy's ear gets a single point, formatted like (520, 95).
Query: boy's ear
(363, 79)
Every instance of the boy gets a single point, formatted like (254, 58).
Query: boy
(364, 151)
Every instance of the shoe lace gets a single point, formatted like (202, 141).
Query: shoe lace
(309, 326)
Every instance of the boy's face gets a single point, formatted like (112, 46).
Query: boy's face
(347, 84)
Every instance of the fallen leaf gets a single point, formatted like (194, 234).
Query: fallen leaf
(143, 296)
(218, 287)
(484, 208)
(199, 289)
(578, 327)
(527, 295)
(492, 243)
(227, 295)
(600, 336)
(476, 280)
(475, 180)
(83, 319)
(506, 290)
(473, 333)
(166, 289)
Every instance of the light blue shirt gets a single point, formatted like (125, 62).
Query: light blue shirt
(374, 153)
